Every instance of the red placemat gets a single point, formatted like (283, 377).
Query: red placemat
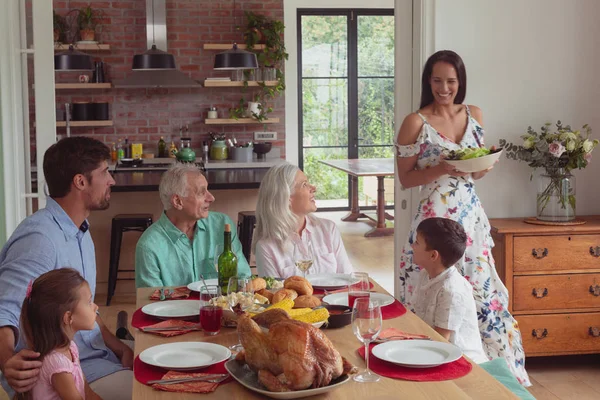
(144, 372)
(453, 370)
(140, 320)
(394, 310)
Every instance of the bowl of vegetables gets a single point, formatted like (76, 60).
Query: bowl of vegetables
(472, 159)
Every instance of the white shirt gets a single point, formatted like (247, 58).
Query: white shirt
(447, 302)
(329, 254)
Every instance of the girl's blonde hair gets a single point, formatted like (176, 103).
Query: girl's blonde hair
(274, 218)
(47, 300)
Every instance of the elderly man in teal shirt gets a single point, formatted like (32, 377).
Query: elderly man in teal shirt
(180, 246)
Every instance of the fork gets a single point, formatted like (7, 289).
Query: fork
(216, 378)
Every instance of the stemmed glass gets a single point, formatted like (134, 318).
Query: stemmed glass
(303, 255)
(366, 325)
(244, 286)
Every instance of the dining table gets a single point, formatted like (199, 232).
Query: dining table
(477, 384)
(361, 167)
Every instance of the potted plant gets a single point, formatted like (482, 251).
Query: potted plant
(59, 26)
(260, 29)
(558, 153)
(88, 20)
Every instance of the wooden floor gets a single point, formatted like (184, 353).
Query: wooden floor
(570, 377)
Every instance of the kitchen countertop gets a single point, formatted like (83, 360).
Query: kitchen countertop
(218, 179)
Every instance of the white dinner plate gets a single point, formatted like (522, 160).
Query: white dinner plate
(249, 379)
(195, 286)
(185, 355)
(341, 299)
(329, 281)
(417, 353)
(173, 309)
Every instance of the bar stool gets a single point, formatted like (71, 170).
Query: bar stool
(246, 224)
(122, 223)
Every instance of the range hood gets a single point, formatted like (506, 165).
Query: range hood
(156, 38)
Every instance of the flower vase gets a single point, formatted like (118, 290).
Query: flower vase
(556, 196)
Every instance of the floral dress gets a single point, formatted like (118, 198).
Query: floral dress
(455, 198)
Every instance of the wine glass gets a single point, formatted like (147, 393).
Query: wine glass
(240, 285)
(366, 325)
(303, 255)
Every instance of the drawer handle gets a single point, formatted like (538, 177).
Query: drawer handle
(540, 335)
(595, 251)
(594, 331)
(539, 293)
(539, 253)
(595, 290)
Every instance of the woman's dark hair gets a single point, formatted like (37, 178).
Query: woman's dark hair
(52, 295)
(446, 236)
(69, 157)
(450, 57)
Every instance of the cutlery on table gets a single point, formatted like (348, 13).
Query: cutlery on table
(216, 378)
(399, 337)
(172, 328)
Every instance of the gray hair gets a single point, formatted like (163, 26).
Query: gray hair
(274, 218)
(174, 181)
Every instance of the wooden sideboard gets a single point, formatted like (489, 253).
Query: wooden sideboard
(553, 278)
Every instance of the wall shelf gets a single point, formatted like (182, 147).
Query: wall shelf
(229, 46)
(83, 86)
(82, 47)
(75, 124)
(215, 83)
(231, 121)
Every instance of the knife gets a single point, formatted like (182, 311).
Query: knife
(216, 377)
(173, 328)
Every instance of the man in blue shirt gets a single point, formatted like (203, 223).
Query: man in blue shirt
(57, 236)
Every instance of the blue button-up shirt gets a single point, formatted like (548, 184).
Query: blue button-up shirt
(45, 241)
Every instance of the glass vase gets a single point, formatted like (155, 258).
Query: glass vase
(556, 196)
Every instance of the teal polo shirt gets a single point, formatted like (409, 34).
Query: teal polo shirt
(165, 256)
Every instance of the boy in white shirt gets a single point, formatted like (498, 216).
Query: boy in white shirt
(444, 298)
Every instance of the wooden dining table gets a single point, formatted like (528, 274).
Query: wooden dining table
(477, 384)
(361, 167)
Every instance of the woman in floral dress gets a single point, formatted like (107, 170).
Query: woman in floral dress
(444, 123)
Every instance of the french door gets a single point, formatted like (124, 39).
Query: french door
(345, 96)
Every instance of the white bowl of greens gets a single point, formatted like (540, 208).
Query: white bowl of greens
(472, 159)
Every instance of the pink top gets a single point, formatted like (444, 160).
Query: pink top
(329, 252)
(55, 363)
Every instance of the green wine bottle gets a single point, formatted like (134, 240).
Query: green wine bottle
(227, 262)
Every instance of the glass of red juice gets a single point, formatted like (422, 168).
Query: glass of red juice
(210, 314)
(359, 287)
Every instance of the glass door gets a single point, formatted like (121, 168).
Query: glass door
(346, 96)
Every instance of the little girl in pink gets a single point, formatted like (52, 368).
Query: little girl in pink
(56, 306)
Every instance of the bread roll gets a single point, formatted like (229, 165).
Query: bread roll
(306, 301)
(258, 284)
(299, 284)
(284, 294)
(266, 293)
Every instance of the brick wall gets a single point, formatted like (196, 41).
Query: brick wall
(143, 115)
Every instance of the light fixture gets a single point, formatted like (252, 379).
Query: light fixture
(72, 60)
(235, 59)
(153, 58)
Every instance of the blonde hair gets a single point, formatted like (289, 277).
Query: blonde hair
(274, 218)
(174, 181)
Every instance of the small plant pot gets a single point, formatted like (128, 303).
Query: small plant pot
(56, 35)
(87, 35)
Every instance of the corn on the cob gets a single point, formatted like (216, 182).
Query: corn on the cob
(294, 312)
(318, 315)
(285, 304)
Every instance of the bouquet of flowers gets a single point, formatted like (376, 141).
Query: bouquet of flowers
(558, 152)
